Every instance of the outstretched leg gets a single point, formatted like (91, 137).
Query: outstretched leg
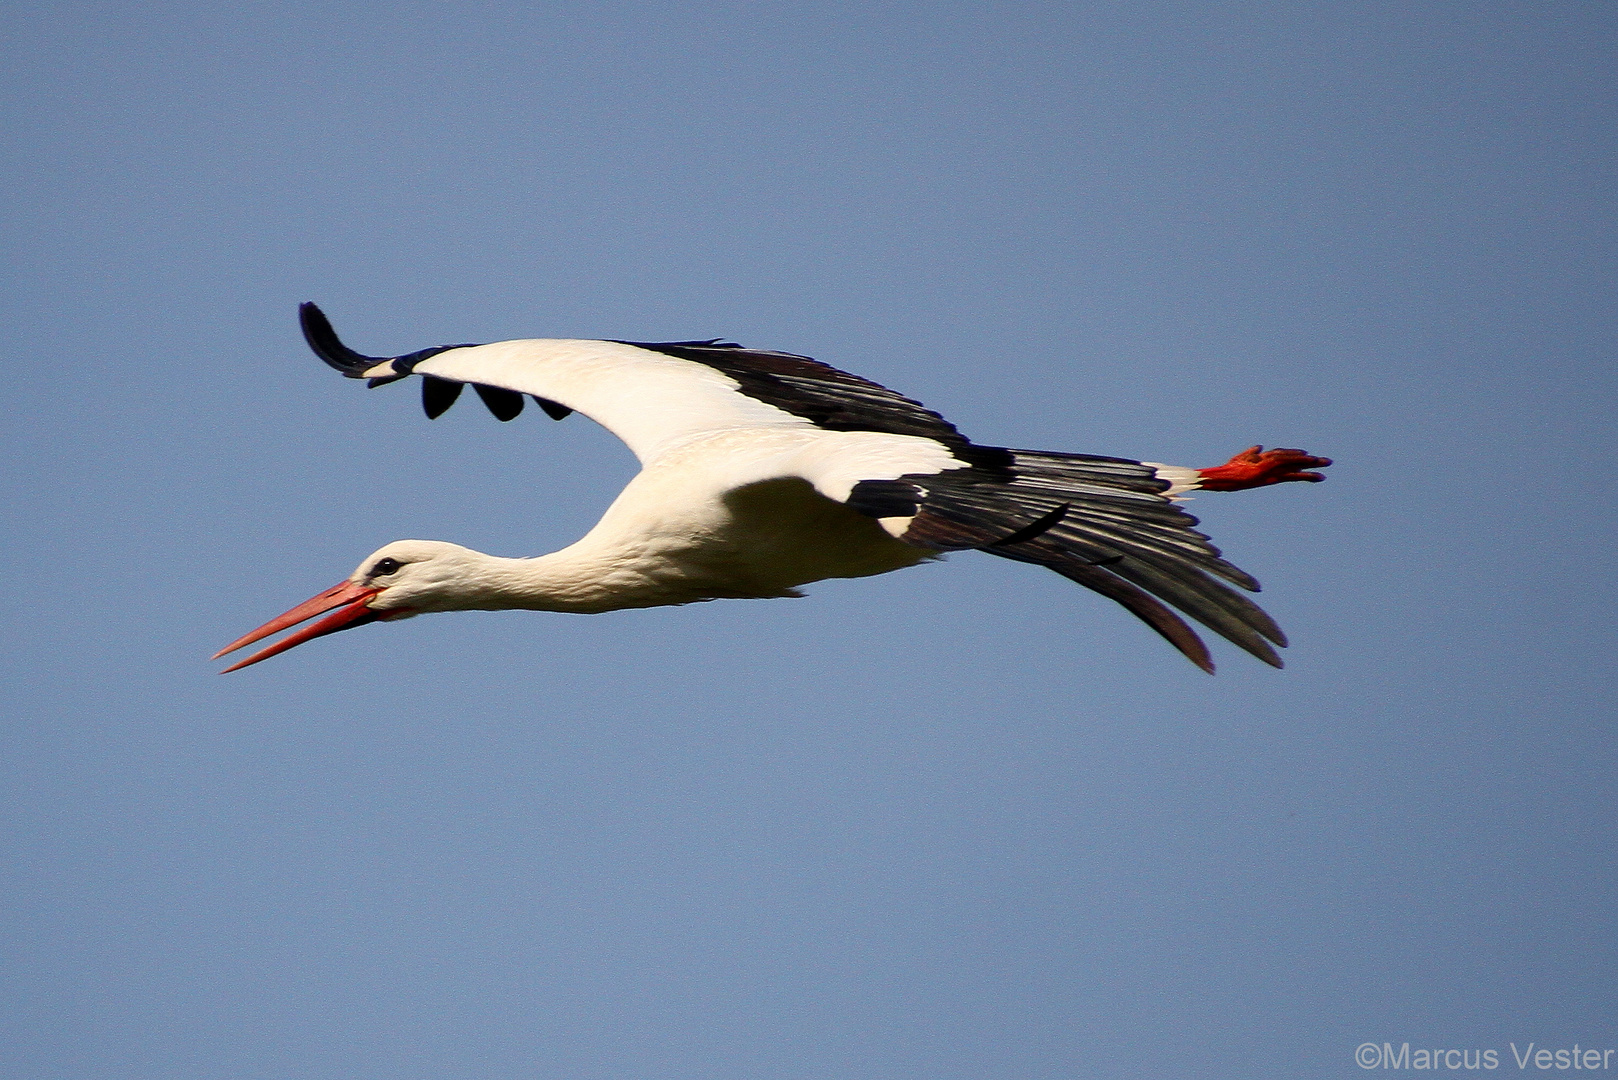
(1258, 467)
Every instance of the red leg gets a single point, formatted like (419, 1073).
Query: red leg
(1258, 467)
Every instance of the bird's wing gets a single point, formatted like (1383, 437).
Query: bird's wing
(650, 394)
(1103, 522)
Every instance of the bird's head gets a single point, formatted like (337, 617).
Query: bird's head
(405, 578)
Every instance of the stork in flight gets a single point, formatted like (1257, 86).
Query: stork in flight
(762, 471)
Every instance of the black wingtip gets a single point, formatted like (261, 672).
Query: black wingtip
(553, 409)
(505, 404)
(437, 395)
(317, 331)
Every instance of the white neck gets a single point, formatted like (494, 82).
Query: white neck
(566, 580)
(586, 577)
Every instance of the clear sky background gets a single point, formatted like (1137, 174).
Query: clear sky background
(964, 822)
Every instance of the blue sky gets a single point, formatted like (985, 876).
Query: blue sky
(964, 821)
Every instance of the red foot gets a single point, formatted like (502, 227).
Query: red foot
(1258, 467)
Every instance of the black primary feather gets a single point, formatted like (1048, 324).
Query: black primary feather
(1037, 528)
(437, 395)
(317, 331)
(553, 409)
(505, 404)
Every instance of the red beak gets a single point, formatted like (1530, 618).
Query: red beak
(343, 593)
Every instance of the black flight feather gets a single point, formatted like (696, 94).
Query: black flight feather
(1043, 525)
(317, 331)
(323, 340)
(553, 409)
(1101, 522)
(437, 395)
(1145, 607)
(505, 404)
(826, 396)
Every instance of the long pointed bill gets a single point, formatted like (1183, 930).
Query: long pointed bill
(349, 598)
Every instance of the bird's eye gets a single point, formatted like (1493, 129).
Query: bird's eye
(384, 567)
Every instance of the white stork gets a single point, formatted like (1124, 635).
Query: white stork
(763, 471)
